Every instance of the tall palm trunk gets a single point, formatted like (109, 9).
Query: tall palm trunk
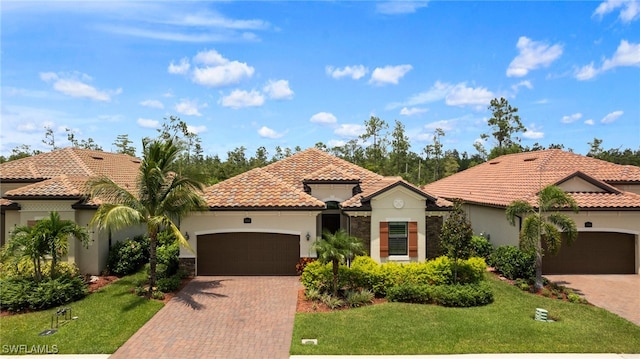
(153, 260)
(336, 266)
(538, 284)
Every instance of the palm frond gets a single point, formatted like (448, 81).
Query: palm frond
(530, 233)
(552, 237)
(116, 216)
(566, 225)
(518, 208)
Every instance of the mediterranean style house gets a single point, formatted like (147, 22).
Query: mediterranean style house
(258, 223)
(32, 187)
(608, 196)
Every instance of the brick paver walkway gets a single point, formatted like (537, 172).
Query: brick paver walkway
(619, 294)
(221, 317)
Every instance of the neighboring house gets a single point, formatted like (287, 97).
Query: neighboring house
(608, 196)
(32, 187)
(263, 221)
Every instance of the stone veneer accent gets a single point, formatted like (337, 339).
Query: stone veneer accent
(361, 227)
(189, 265)
(434, 225)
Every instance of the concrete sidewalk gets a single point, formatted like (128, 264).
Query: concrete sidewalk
(476, 356)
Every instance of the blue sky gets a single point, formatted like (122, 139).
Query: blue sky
(296, 73)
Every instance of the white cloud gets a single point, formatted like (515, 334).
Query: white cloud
(445, 125)
(74, 85)
(406, 111)
(152, 104)
(349, 130)
(533, 133)
(627, 54)
(525, 83)
(266, 132)
(196, 129)
(147, 123)
(461, 95)
(278, 90)
(356, 72)
(437, 92)
(571, 118)
(240, 98)
(586, 72)
(181, 68)
(589, 122)
(336, 143)
(28, 127)
(611, 117)
(214, 70)
(323, 117)
(399, 7)
(389, 74)
(533, 54)
(213, 19)
(629, 12)
(189, 107)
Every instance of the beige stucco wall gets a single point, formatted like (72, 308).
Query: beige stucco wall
(629, 188)
(5, 187)
(383, 210)
(332, 192)
(492, 221)
(285, 222)
(577, 184)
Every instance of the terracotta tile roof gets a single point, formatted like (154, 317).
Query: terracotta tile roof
(384, 184)
(331, 173)
(258, 189)
(63, 172)
(281, 184)
(521, 176)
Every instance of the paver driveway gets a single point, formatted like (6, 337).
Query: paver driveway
(221, 317)
(619, 294)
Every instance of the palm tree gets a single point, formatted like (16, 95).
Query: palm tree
(55, 234)
(160, 198)
(544, 222)
(25, 243)
(336, 248)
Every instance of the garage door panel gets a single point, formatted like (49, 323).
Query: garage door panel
(248, 254)
(594, 253)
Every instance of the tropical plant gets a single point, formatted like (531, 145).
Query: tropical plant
(49, 236)
(544, 222)
(160, 198)
(25, 243)
(55, 233)
(336, 248)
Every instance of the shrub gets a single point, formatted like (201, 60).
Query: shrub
(168, 255)
(367, 273)
(162, 271)
(312, 294)
(302, 264)
(126, 257)
(513, 263)
(411, 293)
(359, 298)
(472, 270)
(23, 267)
(167, 285)
(331, 301)
(158, 295)
(468, 295)
(18, 293)
(481, 247)
(317, 276)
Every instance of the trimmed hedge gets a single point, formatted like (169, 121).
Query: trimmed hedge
(126, 257)
(456, 295)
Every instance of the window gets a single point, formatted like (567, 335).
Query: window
(398, 236)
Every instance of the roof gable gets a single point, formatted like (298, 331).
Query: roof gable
(580, 182)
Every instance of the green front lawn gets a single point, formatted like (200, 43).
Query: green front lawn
(106, 319)
(506, 326)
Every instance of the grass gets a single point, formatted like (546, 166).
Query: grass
(106, 319)
(506, 326)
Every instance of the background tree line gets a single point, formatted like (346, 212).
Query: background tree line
(381, 149)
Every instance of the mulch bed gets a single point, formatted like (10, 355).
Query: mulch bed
(308, 306)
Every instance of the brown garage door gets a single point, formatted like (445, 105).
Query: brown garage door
(248, 254)
(594, 253)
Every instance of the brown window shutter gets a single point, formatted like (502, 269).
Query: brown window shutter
(384, 239)
(413, 239)
(31, 223)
